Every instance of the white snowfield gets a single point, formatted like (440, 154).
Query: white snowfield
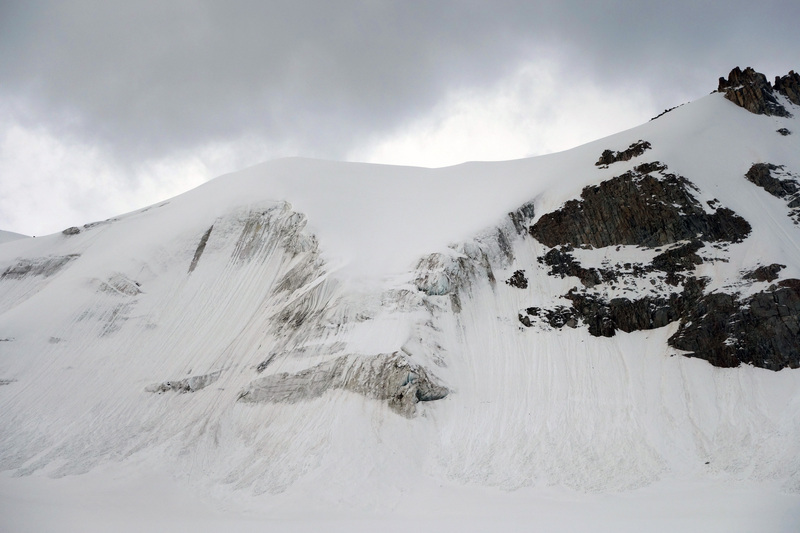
(219, 360)
(7, 236)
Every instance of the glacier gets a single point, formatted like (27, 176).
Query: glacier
(309, 344)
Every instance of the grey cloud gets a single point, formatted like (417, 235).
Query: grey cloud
(144, 79)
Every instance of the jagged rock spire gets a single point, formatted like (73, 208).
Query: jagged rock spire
(751, 90)
(789, 86)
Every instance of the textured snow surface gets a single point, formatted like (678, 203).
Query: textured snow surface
(125, 349)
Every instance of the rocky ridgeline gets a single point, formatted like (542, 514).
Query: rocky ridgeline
(649, 207)
(751, 90)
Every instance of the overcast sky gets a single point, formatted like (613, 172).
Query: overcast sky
(109, 106)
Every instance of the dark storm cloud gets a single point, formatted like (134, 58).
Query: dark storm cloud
(147, 78)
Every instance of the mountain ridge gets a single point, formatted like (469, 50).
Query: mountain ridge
(498, 324)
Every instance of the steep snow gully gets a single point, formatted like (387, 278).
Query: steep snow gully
(604, 319)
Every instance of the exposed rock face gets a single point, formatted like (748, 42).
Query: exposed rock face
(781, 184)
(650, 208)
(390, 377)
(762, 330)
(562, 264)
(604, 318)
(765, 273)
(761, 175)
(557, 317)
(518, 280)
(789, 86)
(678, 259)
(638, 208)
(751, 90)
(634, 150)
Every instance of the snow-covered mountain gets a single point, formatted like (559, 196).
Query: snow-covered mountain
(319, 335)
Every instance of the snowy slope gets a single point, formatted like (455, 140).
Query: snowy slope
(6, 236)
(240, 337)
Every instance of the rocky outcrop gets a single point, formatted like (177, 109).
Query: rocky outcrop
(779, 183)
(764, 272)
(678, 259)
(641, 207)
(649, 207)
(761, 330)
(634, 150)
(604, 318)
(761, 174)
(557, 317)
(751, 90)
(518, 280)
(393, 378)
(789, 86)
(722, 328)
(563, 264)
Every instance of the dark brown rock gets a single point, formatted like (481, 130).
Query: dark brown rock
(761, 174)
(678, 259)
(637, 209)
(789, 86)
(786, 187)
(751, 90)
(761, 330)
(634, 150)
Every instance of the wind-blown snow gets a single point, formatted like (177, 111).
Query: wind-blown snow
(298, 262)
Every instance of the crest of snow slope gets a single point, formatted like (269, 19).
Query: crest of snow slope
(227, 285)
(7, 236)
